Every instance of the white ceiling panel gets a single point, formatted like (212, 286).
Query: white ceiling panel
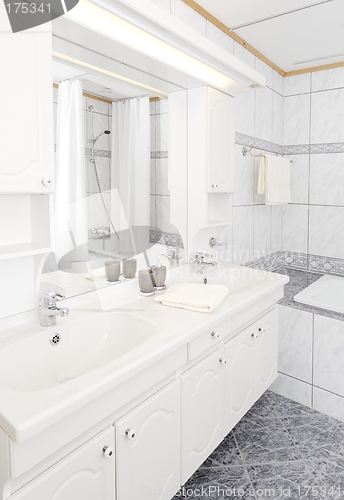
(310, 37)
(234, 13)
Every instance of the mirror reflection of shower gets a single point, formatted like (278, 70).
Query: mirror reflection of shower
(93, 161)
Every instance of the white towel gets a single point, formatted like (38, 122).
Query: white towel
(200, 298)
(274, 179)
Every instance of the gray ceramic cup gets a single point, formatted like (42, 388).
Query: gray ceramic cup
(160, 275)
(129, 267)
(112, 270)
(146, 281)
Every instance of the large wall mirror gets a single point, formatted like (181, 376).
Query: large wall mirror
(112, 197)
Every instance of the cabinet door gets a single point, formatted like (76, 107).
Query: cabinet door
(85, 474)
(26, 135)
(202, 408)
(267, 351)
(148, 448)
(240, 376)
(220, 142)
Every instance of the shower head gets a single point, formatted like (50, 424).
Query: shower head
(107, 132)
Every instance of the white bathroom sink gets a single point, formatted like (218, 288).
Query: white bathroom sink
(36, 363)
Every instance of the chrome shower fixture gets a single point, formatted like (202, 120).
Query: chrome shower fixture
(93, 141)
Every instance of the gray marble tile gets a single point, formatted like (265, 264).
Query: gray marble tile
(220, 484)
(328, 477)
(225, 454)
(285, 407)
(261, 409)
(261, 441)
(288, 480)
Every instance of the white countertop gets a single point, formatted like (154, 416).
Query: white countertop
(24, 414)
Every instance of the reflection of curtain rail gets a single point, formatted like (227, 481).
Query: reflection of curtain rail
(245, 151)
(103, 99)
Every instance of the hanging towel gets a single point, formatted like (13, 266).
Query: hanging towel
(199, 298)
(274, 179)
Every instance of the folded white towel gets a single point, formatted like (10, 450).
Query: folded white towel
(200, 298)
(274, 179)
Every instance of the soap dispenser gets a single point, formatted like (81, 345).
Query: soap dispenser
(160, 276)
(129, 266)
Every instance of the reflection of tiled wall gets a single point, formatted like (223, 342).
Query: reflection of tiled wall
(160, 195)
(314, 127)
(256, 228)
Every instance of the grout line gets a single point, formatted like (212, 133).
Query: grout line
(312, 393)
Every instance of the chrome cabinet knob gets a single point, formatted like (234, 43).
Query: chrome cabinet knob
(108, 451)
(223, 361)
(261, 330)
(46, 181)
(215, 335)
(131, 434)
(214, 185)
(255, 335)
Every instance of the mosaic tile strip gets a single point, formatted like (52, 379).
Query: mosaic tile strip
(157, 155)
(98, 152)
(171, 239)
(301, 261)
(247, 140)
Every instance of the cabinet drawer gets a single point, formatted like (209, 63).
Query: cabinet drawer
(208, 339)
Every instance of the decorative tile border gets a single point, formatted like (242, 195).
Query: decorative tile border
(98, 152)
(301, 261)
(171, 239)
(248, 140)
(157, 155)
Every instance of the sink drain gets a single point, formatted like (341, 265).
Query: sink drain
(55, 339)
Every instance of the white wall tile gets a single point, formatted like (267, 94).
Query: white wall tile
(327, 116)
(327, 179)
(244, 112)
(161, 106)
(153, 221)
(295, 228)
(189, 16)
(277, 118)
(261, 230)
(328, 354)
(265, 70)
(244, 177)
(162, 177)
(163, 214)
(276, 228)
(100, 123)
(152, 133)
(103, 171)
(328, 403)
(244, 55)
(328, 79)
(152, 107)
(96, 213)
(242, 234)
(326, 231)
(220, 38)
(296, 119)
(278, 82)
(295, 343)
(263, 114)
(298, 84)
(98, 106)
(164, 4)
(299, 177)
(152, 177)
(293, 389)
(161, 132)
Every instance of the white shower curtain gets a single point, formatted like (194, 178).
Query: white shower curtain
(130, 166)
(70, 197)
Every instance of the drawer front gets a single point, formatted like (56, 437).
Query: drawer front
(210, 338)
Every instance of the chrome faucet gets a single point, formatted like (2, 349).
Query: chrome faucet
(49, 309)
(199, 257)
(172, 254)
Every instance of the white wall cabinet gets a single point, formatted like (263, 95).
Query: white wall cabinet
(202, 409)
(26, 135)
(147, 448)
(86, 474)
(220, 142)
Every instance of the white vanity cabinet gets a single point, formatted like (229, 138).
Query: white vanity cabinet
(86, 474)
(251, 366)
(148, 448)
(202, 409)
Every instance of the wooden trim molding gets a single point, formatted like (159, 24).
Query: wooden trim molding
(200, 10)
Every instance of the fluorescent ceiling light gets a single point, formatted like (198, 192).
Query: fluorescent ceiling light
(112, 26)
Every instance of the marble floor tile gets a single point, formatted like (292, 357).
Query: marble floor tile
(288, 480)
(328, 477)
(220, 484)
(261, 409)
(262, 441)
(286, 407)
(225, 454)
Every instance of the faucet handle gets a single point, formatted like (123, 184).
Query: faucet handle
(52, 295)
